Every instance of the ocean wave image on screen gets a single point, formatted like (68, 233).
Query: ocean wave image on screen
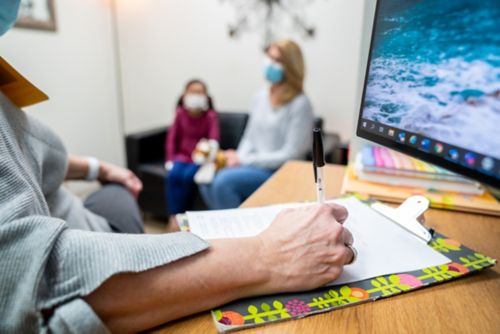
(435, 70)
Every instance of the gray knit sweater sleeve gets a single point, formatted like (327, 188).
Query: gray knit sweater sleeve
(46, 267)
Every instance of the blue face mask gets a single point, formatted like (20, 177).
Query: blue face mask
(273, 71)
(8, 14)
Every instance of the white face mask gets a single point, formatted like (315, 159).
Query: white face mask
(195, 102)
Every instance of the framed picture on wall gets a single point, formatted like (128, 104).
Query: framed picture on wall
(37, 14)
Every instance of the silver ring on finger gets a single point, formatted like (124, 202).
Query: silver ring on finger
(354, 253)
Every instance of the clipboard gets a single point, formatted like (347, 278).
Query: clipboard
(262, 310)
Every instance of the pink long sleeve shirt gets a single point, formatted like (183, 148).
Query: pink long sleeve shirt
(187, 131)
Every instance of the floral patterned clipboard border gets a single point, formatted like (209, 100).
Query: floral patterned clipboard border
(266, 309)
(262, 310)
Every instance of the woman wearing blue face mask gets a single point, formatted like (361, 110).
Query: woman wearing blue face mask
(279, 129)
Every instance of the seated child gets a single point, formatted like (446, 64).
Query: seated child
(195, 119)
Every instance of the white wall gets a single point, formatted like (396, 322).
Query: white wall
(163, 43)
(76, 67)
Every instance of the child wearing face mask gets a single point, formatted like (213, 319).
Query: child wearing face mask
(195, 119)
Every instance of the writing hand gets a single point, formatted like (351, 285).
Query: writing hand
(305, 248)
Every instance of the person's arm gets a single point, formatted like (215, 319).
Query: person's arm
(135, 282)
(171, 141)
(213, 127)
(78, 168)
(246, 146)
(298, 141)
(302, 249)
(48, 267)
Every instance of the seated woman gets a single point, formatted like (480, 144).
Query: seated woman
(279, 129)
(195, 119)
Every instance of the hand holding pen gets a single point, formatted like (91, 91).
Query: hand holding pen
(318, 164)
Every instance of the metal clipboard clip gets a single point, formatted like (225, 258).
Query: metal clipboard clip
(409, 215)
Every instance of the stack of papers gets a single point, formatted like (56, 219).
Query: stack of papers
(384, 166)
(383, 246)
(484, 203)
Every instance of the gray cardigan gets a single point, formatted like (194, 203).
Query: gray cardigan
(276, 135)
(45, 264)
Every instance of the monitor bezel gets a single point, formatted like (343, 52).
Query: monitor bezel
(412, 151)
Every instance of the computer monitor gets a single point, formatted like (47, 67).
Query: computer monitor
(432, 87)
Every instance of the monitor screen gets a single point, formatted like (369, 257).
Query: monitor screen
(432, 88)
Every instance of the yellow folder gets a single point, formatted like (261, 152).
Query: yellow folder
(17, 88)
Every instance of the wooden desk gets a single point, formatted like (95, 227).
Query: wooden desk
(467, 305)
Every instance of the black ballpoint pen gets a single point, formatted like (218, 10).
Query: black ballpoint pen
(318, 163)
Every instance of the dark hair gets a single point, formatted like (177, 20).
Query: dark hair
(180, 102)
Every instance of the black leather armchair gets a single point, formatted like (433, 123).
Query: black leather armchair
(145, 157)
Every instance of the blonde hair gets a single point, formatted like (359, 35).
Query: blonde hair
(293, 64)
